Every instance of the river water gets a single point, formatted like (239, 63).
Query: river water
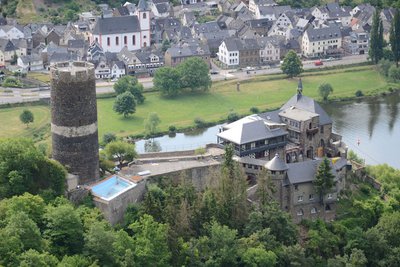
(369, 127)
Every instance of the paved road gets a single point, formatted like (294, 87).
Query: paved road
(30, 95)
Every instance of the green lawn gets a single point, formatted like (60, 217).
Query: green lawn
(11, 126)
(214, 105)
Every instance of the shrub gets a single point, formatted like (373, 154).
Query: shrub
(384, 66)
(394, 73)
(233, 116)
(12, 82)
(359, 93)
(200, 151)
(200, 123)
(108, 138)
(254, 110)
(172, 129)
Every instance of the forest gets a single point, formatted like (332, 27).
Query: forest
(176, 225)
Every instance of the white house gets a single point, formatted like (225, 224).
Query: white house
(32, 62)
(11, 32)
(254, 3)
(118, 69)
(102, 70)
(321, 41)
(228, 52)
(320, 13)
(270, 50)
(115, 33)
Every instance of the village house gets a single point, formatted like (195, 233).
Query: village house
(270, 50)
(141, 63)
(357, 43)
(30, 62)
(115, 33)
(236, 52)
(253, 4)
(317, 42)
(11, 32)
(180, 52)
(118, 69)
(270, 12)
(160, 8)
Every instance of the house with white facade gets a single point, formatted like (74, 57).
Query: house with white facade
(253, 4)
(11, 32)
(320, 13)
(317, 42)
(228, 52)
(118, 69)
(30, 63)
(270, 50)
(115, 33)
(270, 12)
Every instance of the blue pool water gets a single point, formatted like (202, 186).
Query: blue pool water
(111, 187)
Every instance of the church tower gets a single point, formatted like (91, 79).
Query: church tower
(143, 14)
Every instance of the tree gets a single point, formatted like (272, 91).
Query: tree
(165, 45)
(395, 37)
(194, 74)
(120, 150)
(292, 65)
(33, 258)
(105, 164)
(98, 241)
(64, 230)
(167, 81)
(25, 169)
(150, 242)
(259, 257)
(125, 104)
(76, 260)
(376, 38)
(325, 89)
(151, 123)
(108, 138)
(324, 182)
(132, 85)
(26, 117)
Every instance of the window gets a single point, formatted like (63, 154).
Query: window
(117, 40)
(108, 41)
(144, 15)
(322, 129)
(125, 40)
(313, 210)
(253, 145)
(300, 212)
(311, 197)
(133, 39)
(299, 198)
(296, 187)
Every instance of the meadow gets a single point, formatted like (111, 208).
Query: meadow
(264, 92)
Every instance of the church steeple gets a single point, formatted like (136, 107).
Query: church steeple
(300, 87)
(142, 5)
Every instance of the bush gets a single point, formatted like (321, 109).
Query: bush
(172, 129)
(12, 82)
(108, 138)
(365, 189)
(200, 123)
(359, 93)
(384, 66)
(394, 73)
(233, 116)
(200, 151)
(254, 110)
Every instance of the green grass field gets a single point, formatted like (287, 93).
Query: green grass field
(214, 105)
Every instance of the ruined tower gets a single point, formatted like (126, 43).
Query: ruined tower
(74, 119)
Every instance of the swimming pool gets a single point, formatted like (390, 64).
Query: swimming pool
(112, 187)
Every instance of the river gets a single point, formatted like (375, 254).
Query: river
(370, 127)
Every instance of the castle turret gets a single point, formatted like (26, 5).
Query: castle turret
(278, 169)
(74, 119)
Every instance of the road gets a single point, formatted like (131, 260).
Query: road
(35, 94)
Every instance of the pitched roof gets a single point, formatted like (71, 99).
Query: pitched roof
(124, 24)
(308, 104)
(305, 171)
(142, 5)
(250, 132)
(319, 34)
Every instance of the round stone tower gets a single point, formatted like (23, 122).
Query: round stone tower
(74, 119)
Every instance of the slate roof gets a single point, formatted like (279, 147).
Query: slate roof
(6, 45)
(274, 10)
(77, 44)
(276, 164)
(250, 131)
(142, 5)
(59, 57)
(308, 104)
(305, 171)
(120, 64)
(319, 34)
(335, 11)
(125, 24)
(162, 8)
(30, 58)
(123, 11)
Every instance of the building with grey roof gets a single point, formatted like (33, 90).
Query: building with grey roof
(189, 48)
(318, 42)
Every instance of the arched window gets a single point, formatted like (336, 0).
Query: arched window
(133, 39)
(144, 15)
(144, 44)
(125, 40)
(117, 40)
(108, 41)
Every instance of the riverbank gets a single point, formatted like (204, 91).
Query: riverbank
(264, 92)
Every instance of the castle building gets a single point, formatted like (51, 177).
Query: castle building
(115, 33)
(74, 119)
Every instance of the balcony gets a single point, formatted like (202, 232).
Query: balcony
(245, 152)
(313, 130)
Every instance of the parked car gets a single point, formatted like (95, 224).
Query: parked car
(318, 63)
(214, 72)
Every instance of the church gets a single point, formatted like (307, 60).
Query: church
(115, 33)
